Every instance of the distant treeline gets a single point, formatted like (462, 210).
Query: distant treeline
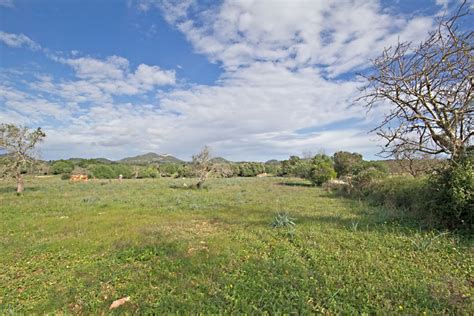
(339, 165)
(106, 170)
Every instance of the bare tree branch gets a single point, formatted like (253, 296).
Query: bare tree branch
(430, 88)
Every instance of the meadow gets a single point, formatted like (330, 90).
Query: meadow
(75, 248)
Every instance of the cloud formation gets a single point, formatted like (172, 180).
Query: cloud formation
(18, 40)
(287, 84)
(7, 3)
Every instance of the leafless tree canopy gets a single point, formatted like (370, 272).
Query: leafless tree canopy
(430, 90)
(19, 143)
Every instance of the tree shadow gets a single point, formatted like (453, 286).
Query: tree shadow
(12, 189)
(192, 187)
(295, 184)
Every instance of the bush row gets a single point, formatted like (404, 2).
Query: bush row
(443, 199)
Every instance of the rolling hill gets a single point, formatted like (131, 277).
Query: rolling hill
(150, 158)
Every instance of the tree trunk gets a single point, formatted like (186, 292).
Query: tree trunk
(20, 184)
(200, 183)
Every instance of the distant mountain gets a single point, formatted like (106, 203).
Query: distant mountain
(272, 162)
(150, 158)
(219, 160)
(101, 160)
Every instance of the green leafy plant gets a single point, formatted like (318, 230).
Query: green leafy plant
(283, 220)
(322, 170)
(354, 226)
(452, 195)
(425, 241)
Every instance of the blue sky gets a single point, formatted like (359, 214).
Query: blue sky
(254, 80)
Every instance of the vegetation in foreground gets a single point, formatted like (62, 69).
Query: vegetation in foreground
(78, 247)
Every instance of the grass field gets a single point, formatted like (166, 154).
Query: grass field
(78, 247)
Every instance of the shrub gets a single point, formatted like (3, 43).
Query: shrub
(169, 169)
(444, 200)
(251, 169)
(272, 168)
(321, 170)
(295, 167)
(452, 195)
(346, 163)
(185, 171)
(400, 192)
(223, 170)
(121, 169)
(102, 172)
(62, 167)
(149, 172)
(363, 180)
(65, 176)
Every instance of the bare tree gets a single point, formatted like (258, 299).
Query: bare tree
(413, 161)
(19, 143)
(430, 90)
(202, 165)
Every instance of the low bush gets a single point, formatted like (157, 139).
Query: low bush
(322, 170)
(451, 195)
(62, 167)
(185, 171)
(121, 169)
(251, 169)
(396, 192)
(169, 169)
(102, 172)
(444, 199)
(149, 172)
(365, 179)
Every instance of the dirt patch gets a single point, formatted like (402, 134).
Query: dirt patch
(193, 228)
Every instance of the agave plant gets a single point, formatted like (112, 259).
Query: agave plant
(283, 220)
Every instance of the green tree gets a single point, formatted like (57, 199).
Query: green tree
(296, 167)
(121, 169)
(321, 170)
(346, 163)
(150, 172)
(101, 171)
(62, 167)
(169, 169)
(19, 143)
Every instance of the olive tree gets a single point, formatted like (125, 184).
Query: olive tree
(202, 165)
(429, 89)
(19, 143)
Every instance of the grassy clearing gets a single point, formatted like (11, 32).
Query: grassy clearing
(78, 247)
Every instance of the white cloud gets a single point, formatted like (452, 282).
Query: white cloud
(31, 108)
(149, 76)
(337, 37)
(112, 67)
(18, 40)
(280, 59)
(100, 80)
(7, 3)
(443, 3)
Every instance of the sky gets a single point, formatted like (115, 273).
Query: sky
(252, 79)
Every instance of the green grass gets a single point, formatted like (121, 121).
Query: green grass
(77, 247)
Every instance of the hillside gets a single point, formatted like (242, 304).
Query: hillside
(219, 160)
(101, 160)
(150, 158)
